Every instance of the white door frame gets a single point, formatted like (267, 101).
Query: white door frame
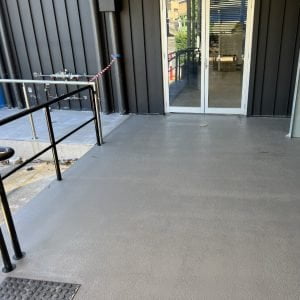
(205, 64)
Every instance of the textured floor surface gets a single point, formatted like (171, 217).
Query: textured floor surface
(12, 288)
(63, 122)
(168, 209)
(225, 90)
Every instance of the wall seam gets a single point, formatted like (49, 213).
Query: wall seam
(145, 58)
(26, 49)
(279, 59)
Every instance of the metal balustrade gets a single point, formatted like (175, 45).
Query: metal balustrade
(93, 89)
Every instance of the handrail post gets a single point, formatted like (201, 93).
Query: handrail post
(30, 116)
(95, 116)
(97, 110)
(10, 223)
(52, 142)
(8, 266)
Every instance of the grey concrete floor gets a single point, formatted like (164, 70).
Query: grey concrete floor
(225, 91)
(18, 134)
(168, 209)
(63, 122)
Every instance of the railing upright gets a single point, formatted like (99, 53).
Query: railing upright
(8, 266)
(10, 223)
(52, 142)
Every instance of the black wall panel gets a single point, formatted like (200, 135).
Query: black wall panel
(52, 35)
(153, 47)
(141, 36)
(125, 20)
(275, 51)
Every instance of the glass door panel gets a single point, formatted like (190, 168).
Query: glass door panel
(184, 53)
(227, 31)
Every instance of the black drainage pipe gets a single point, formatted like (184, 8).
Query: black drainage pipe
(8, 266)
(117, 71)
(106, 107)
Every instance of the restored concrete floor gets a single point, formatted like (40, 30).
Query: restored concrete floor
(168, 209)
(225, 91)
(18, 134)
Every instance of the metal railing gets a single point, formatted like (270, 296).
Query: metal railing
(92, 87)
(179, 59)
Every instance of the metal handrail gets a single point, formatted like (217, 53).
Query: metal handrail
(93, 84)
(38, 107)
(177, 55)
(53, 142)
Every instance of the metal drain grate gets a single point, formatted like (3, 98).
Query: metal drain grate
(28, 289)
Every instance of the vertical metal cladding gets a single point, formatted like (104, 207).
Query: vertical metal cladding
(5, 87)
(117, 71)
(276, 41)
(141, 43)
(52, 35)
(100, 48)
(8, 63)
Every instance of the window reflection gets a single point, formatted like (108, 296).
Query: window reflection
(226, 50)
(184, 41)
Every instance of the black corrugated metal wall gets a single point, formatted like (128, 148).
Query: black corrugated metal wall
(141, 36)
(274, 59)
(51, 35)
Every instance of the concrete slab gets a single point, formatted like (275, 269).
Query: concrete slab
(169, 209)
(18, 134)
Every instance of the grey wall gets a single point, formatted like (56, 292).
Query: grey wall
(274, 59)
(141, 37)
(51, 35)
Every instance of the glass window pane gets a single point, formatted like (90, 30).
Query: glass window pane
(226, 52)
(184, 57)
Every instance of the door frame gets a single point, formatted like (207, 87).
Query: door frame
(205, 64)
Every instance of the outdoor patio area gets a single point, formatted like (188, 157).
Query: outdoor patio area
(19, 134)
(169, 208)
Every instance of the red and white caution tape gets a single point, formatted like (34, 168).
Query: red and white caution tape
(99, 74)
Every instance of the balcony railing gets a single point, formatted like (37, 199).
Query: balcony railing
(93, 89)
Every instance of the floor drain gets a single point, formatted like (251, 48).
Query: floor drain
(28, 289)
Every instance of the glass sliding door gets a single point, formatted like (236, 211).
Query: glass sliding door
(184, 54)
(207, 59)
(227, 35)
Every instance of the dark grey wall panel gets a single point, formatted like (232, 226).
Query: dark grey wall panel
(128, 54)
(31, 45)
(275, 49)
(153, 55)
(139, 54)
(48, 37)
(78, 50)
(108, 34)
(21, 45)
(52, 35)
(109, 5)
(42, 41)
(93, 45)
(285, 76)
(141, 36)
(66, 44)
(272, 58)
(53, 45)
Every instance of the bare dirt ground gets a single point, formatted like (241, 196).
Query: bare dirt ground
(23, 185)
